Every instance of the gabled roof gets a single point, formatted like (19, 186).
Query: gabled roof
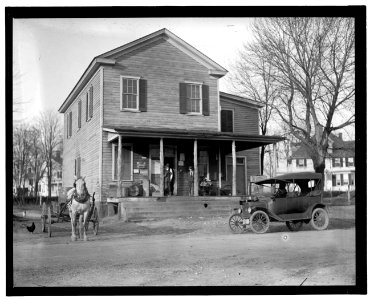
(340, 148)
(110, 58)
(241, 100)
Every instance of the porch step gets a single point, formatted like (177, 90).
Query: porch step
(176, 207)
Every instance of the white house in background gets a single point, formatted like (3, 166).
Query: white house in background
(339, 165)
(56, 177)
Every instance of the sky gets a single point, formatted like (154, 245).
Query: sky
(51, 54)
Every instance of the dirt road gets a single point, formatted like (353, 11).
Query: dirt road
(187, 252)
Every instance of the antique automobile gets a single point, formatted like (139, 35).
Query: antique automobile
(295, 199)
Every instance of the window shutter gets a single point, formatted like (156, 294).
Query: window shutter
(346, 162)
(304, 162)
(297, 162)
(333, 162)
(91, 101)
(67, 125)
(333, 180)
(87, 107)
(143, 95)
(205, 89)
(79, 113)
(182, 98)
(70, 123)
(341, 179)
(341, 162)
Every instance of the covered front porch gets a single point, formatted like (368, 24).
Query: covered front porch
(139, 157)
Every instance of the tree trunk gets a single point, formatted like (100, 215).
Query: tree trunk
(50, 179)
(319, 167)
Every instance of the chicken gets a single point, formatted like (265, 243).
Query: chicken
(31, 228)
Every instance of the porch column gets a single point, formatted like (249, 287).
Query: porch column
(233, 150)
(219, 167)
(161, 167)
(119, 166)
(196, 171)
(274, 160)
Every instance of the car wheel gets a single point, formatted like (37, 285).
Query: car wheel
(294, 225)
(236, 223)
(320, 219)
(259, 221)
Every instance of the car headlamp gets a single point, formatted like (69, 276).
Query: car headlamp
(239, 210)
(249, 210)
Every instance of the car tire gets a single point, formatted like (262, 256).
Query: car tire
(236, 223)
(259, 221)
(294, 225)
(320, 219)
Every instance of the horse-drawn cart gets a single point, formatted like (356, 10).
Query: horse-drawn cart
(48, 217)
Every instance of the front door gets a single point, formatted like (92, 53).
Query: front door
(241, 166)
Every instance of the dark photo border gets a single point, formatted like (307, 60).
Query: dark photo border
(357, 12)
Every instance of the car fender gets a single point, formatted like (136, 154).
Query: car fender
(270, 214)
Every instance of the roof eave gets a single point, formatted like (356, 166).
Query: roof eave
(242, 100)
(91, 69)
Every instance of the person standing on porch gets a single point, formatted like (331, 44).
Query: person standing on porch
(168, 179)
(190, 181)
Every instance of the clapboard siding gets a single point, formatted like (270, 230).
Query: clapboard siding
(163, 66)
(253, 161)
(245, 122)
(245, 118)
(84, 142)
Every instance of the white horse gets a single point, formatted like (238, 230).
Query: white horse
(80, 204)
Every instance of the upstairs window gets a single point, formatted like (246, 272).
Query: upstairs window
(337, 162)
(89, 104)
(350, 161)
(130, 93)
(133, 94)
(194, 98)
(69, 123)
(227, 121)
(301, 162)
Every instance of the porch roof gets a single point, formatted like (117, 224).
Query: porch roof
(243, 141)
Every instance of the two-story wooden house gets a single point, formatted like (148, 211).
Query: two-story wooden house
(151, 102)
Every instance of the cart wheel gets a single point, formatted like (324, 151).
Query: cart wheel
(236, 223)
(259, 221)
(49, 222)
(95, 221)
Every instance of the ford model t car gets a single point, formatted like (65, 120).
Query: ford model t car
(295, 199)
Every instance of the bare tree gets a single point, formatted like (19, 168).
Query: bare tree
(37, 162)
(254, 77)
(21, 156)
(314, 63)
(51, 137)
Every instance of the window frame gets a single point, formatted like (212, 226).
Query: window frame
(233, 118)
(114, 146)
(200, 84)
(137, 78)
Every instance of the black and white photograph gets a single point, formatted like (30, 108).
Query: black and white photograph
(186, 152)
